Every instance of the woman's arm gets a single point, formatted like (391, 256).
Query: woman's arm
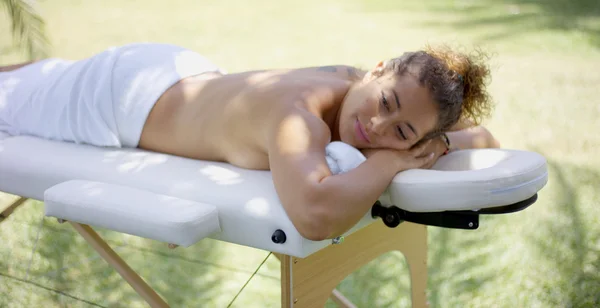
(466, 135)
(476, 137)
(319, 204)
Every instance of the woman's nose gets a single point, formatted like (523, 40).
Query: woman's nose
(378, 126)
(383, 135)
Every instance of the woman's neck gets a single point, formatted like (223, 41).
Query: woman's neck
(332, 116)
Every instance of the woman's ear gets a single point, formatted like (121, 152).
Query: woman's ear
(375, 73)
(378, 70)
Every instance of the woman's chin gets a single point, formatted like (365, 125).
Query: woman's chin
(355, 144)
(348, 141)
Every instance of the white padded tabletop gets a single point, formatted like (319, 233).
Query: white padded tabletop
(248, 205)
(249, 208)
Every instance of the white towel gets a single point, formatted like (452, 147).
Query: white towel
(102, 100)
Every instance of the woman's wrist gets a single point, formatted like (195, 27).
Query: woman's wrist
(447, 143)
(386, 160)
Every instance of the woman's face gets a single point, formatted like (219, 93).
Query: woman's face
(389, 111)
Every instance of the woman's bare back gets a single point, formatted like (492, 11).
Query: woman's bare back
(228, 118)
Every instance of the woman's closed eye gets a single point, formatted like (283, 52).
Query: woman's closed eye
(386, 105)
(408, 131)
(385, 102)
(402, 135)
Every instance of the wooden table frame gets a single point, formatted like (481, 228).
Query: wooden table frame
(305, 282)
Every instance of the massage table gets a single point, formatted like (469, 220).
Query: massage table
(180, 201)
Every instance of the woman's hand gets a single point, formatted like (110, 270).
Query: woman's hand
(420, 156)
(437, 146)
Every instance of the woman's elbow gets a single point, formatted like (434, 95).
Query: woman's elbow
(314, 224)
(483, 138)
(494, 143)
(491, 141)
(313, 234)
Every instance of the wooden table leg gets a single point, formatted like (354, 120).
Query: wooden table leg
(310, 281)
(7, 209)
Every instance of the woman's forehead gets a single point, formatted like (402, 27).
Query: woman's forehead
(415, 101)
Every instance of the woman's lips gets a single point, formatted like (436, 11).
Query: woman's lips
(360, 131)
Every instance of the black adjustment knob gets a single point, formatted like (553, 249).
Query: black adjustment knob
(389, 215)
(278, 237)
(391, 218)
(377, 209)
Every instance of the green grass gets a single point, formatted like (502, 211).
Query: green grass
(546, 72)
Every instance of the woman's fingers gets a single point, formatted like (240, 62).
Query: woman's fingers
(430, 162)
(419, 161)
(419, 149)
(424, 160)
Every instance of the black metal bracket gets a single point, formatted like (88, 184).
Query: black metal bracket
(392, 216)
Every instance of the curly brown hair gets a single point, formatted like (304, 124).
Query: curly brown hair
(456, 80)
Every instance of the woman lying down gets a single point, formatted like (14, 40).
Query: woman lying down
(167, 99)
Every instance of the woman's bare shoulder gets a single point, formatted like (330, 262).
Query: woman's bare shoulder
(299, 121)
(345, 72)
